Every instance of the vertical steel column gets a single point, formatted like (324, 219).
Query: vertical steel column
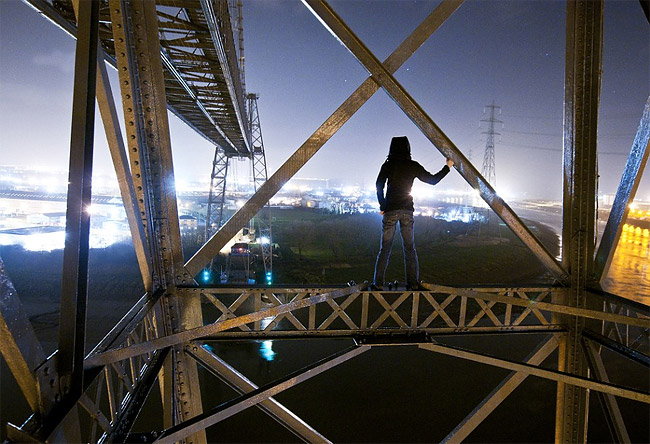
(217, 196)
(260, 175)
(137, 49)
(582, 92)
(113, 132)
(624, 195)
(74, 285)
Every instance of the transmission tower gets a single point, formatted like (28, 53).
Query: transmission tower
(488, 170)
(259, 177)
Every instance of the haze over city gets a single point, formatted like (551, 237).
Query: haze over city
(302, 74)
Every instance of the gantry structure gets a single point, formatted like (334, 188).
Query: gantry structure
(177, 55)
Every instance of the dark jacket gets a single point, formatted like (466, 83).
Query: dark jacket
(400, 172)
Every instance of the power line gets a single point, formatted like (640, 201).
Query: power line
(559, 150)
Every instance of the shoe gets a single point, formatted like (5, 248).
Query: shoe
(416, 287)
(374, 287)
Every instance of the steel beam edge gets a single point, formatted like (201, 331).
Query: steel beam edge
(19, 344)
(118, 153)
(322, 134)
(121, 427)
(74, 284)
(52, 15)
(625, 194)
(237, 405)
(545, 306)
(500, 393)
(617, 347)
(637, 306)
(243, 385)
(553, 375)
(612, 412)
(337, 27)
(238, 102)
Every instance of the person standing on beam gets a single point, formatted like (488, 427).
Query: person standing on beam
(399, 170)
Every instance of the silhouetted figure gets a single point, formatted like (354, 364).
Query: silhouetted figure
(397, 206)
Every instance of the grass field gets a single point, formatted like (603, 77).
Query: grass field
(333, 249)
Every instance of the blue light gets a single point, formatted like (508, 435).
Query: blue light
(266, 350)
(206, 275)
(269, 277)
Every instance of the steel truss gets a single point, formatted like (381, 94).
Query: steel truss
(260, 176)
(217, 196)
(162, 339)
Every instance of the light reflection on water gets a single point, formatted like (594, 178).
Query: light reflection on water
(629, 273)
(266, 347)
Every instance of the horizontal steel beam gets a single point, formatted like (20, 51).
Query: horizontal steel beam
(379, 333)
(119, 354)
(421, 119)
(237, 405)
(553, 375)
(546, 306)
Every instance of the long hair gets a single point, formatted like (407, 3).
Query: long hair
(400, 149)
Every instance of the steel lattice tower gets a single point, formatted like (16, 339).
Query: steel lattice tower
(217, 196)
(260, 176)
(489, 167)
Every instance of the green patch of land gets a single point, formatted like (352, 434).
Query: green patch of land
(316, 247)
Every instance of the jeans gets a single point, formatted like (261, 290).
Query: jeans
(389, 223)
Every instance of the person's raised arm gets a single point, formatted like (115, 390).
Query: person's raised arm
(433, 179)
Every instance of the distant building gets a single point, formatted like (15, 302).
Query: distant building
(188, 222)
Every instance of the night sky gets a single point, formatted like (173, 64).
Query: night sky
(507, 52)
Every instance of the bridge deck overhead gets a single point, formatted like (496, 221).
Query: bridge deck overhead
(203, 83)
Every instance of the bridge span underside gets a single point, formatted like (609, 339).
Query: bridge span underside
(180, 55)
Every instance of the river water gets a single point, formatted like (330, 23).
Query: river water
(629, 273)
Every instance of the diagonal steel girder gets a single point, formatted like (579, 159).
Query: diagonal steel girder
(624, 195)
(613, 416)
(324, 132)
(553, 375)
(243, 385)
(19, 345)
(396, 91)
(237, 405)
(499, 394)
